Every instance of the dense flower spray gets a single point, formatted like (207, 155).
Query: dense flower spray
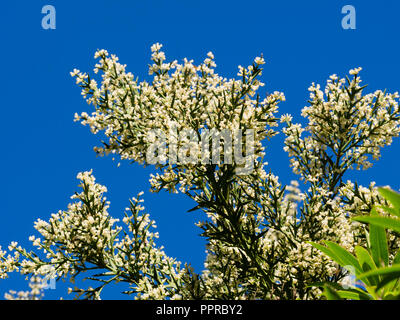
(257, 230)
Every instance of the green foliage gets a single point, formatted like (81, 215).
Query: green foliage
(371, 266)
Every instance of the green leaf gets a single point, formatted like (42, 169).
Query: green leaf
(393, 271)
(388, 280)
(327, 251)
(389, 210)
(377, 238)
(353, 295)
(331, 293)
(396, 259)
(367, 264)
(392, 197)
(388, 275)
(384, 222)
(391, 296)
(345, 257)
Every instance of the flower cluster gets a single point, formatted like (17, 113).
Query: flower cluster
(36, 285)
(258, 231)
(84, 238)
(180, 97)
(345, 129)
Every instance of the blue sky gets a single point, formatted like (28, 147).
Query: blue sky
(43, 149)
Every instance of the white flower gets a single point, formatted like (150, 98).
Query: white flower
(286, 118)
(355, 71)
(259, 61)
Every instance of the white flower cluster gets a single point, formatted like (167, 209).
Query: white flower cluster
(180, 97)
(84, 238)
(7, 261)
(285, 223)
(258, 231)
(344, 126)
(345, 129)
(36, 285)
(86, 227)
